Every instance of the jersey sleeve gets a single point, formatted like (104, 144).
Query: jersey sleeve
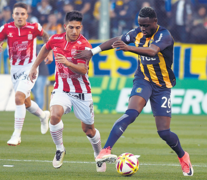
(48, 45)
(3, 34)
(86, 46)
(163, 39)
(38, 30)
(129, 37)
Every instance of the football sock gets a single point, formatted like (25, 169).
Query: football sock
(20, 113)
(56, 132)
(172, 140)
(96, 143)
(35, 109)
(120, 126)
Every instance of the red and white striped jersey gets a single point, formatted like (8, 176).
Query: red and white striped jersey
(65, 79)
(21, 42)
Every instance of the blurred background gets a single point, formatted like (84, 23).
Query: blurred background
(111, 72)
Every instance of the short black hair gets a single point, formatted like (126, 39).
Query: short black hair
(147, 12)
(73, 16)
(21, 5)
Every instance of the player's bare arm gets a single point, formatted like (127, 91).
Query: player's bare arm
(49, 58)
(1, 44)
(150, 51)
(85, 54)
(79, 68)
(41, 56)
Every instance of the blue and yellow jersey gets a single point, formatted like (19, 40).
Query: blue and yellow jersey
(155, 69)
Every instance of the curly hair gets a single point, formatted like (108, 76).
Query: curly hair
(147, 12)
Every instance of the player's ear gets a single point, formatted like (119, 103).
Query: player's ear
(64, 26)
(155, 19)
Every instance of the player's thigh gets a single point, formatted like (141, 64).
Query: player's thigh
(22, 82)
(162, 122)
(61, 99)
(140, 94)
(160, 101)
(83, 109)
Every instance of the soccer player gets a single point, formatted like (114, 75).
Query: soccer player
(72, 86)
(21, 42)
(153, 81)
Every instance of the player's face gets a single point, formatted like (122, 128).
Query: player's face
(20, 16)
(73, 30)
(148, 26)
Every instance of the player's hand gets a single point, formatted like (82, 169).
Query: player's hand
(83, 54)
(120, 45)
(59, 58)
(33, 74)
(49, 58)
(1, 44)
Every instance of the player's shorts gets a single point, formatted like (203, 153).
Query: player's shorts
(159, 96)
(82, 104)
(20, 79)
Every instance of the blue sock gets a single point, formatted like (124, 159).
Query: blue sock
(172, 140)
(120, 126)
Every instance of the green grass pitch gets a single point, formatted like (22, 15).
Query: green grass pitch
(32, 159)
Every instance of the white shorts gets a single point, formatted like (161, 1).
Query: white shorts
(20, 79)
(82, 104)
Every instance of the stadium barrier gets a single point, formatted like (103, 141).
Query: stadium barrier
(111, 95)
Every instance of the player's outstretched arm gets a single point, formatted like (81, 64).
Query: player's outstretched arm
(85, 54)
(150, 51)
(49, 58)
(41, 56)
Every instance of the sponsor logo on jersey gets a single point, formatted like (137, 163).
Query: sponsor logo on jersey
(145, 58)
(9, 26)
(31, 27)
(10, 35)
(73, 51)
(30, 36)
(58, 37)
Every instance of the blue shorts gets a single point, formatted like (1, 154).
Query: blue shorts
(159, 96)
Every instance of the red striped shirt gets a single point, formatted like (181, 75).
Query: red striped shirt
(65, 79)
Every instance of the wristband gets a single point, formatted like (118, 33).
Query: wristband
(96, 50)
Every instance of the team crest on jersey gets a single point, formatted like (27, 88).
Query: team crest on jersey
(55, 49)
(127, 38)
(151, 41)
(30, 36)
(10, 35)
(79, 42)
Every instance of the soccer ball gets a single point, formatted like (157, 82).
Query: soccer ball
(127, 164)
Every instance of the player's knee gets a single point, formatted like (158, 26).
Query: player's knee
(132, 115)
(55, 118)
(165, 134)
(19, 99)
(89, 132)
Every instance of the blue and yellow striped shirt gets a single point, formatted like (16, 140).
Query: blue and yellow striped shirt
(155, 69)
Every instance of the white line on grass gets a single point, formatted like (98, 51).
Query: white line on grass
(85, 162)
